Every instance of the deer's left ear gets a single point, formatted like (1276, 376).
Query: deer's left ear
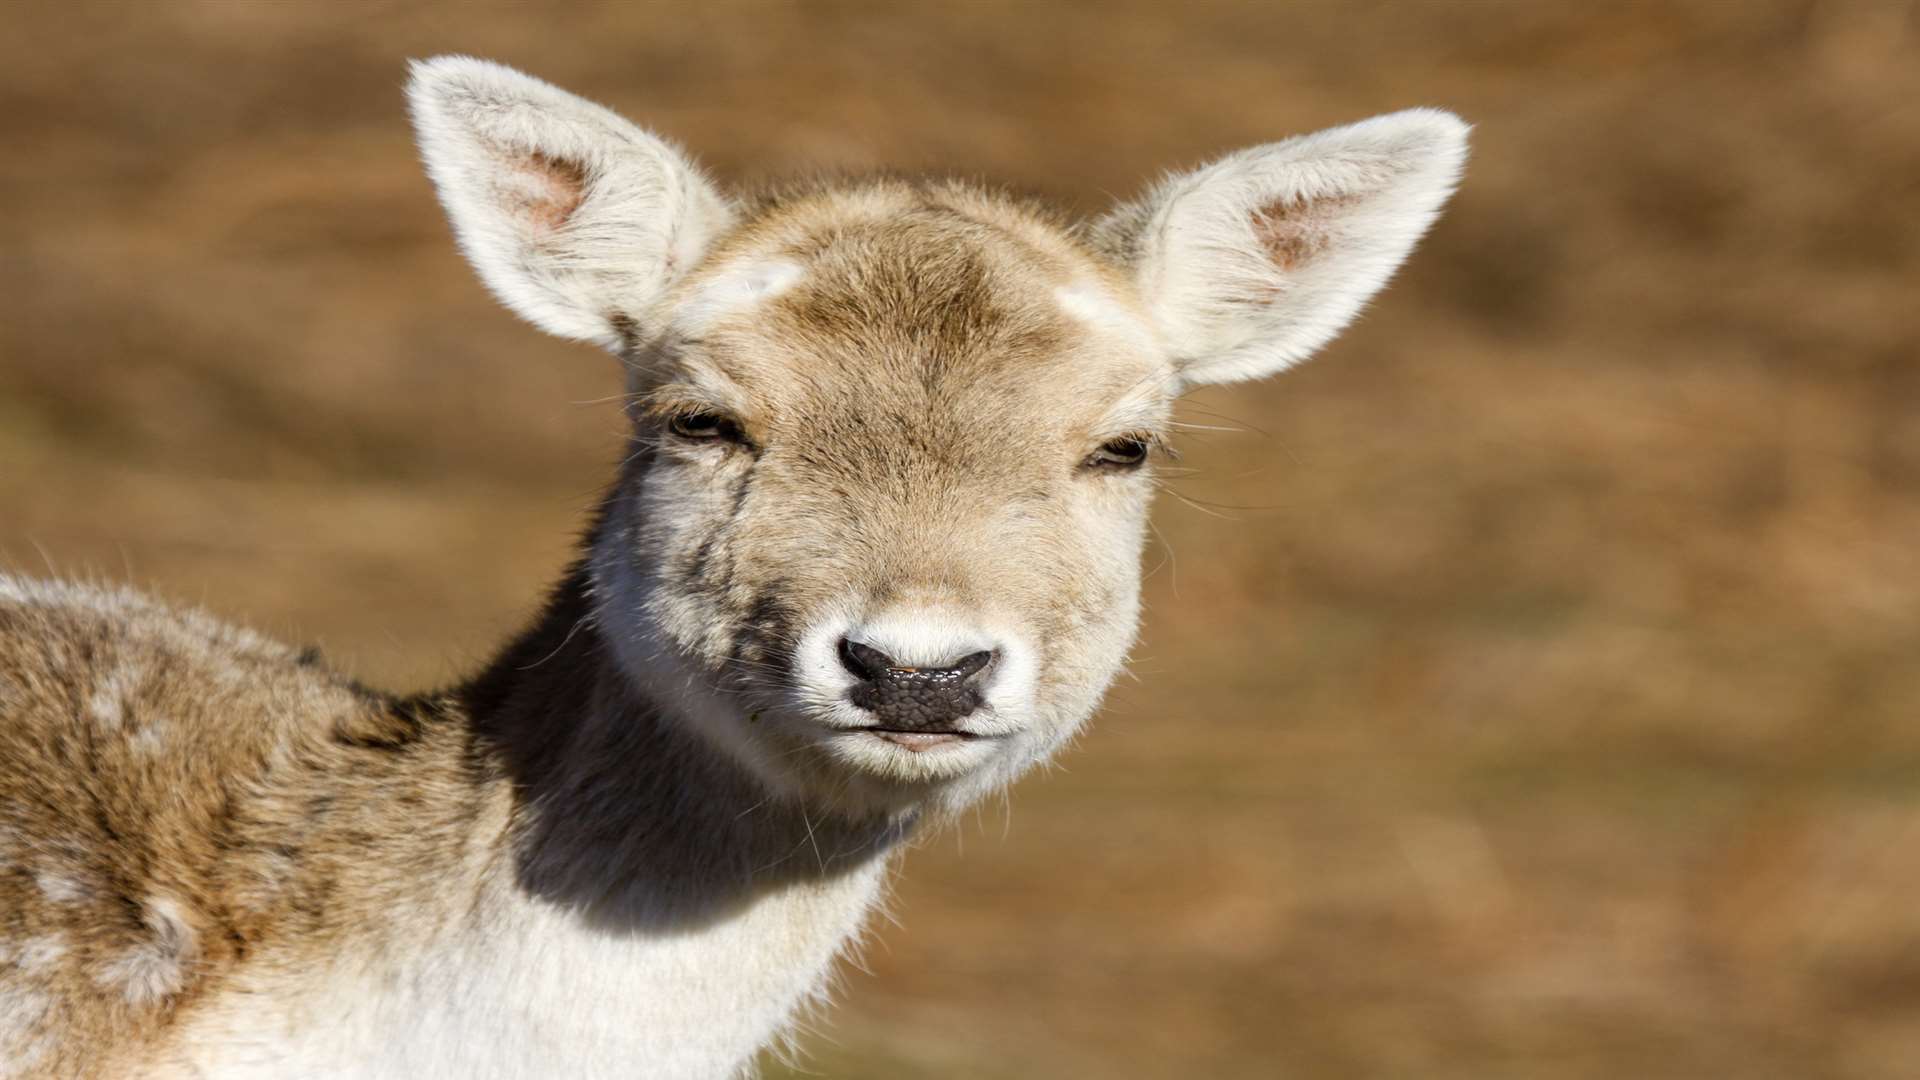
(1251, 263)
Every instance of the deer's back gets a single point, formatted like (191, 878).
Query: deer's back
(143, 848)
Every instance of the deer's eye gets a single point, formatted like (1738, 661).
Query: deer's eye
(705, 425)
(1124, 454)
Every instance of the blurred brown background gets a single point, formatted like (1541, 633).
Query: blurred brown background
(1545, 706)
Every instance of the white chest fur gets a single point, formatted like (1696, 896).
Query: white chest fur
(529, 991)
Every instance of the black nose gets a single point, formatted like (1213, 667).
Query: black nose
(912, 698)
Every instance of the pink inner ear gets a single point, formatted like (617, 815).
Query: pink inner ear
(1293, 232)
(546, 190)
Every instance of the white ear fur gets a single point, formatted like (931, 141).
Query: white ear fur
(575, 218)
(1251, 263)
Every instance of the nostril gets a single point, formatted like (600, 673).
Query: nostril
(971, 665)
(864, 661)
(872, 665)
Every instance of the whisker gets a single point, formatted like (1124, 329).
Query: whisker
(564, 642)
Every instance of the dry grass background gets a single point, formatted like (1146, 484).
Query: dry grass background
(1548, 709)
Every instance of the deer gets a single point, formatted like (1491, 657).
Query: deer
(873, 552)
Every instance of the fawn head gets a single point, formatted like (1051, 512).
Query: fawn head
(894, 440)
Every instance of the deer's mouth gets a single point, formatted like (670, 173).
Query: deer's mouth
(918, 740)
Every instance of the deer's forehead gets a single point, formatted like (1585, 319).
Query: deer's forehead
(1061, 368)
(922, 318)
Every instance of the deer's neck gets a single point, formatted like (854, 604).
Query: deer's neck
(701, 910)
(623, 813)
(628, 899)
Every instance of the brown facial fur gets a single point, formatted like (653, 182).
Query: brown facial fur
(919, 407)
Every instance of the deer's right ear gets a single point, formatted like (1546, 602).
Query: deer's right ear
(576, 219)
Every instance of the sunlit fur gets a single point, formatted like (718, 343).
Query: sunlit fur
(636, 841)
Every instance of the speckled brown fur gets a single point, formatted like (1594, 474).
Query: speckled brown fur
(179, 797)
